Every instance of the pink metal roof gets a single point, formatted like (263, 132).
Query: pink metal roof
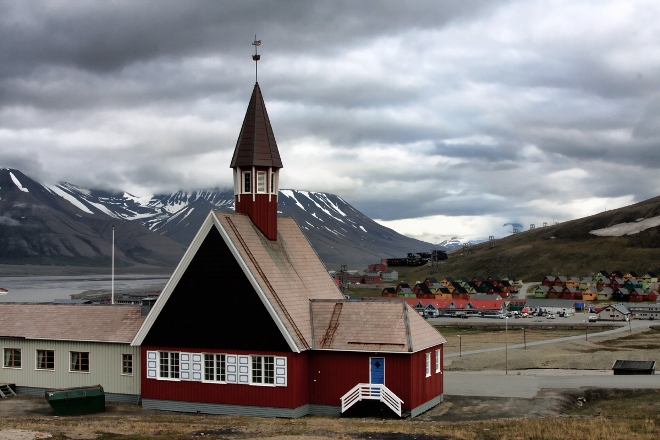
(70, 322)
(371, 325)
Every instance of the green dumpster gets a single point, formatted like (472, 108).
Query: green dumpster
(75, 401)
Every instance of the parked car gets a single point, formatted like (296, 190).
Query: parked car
(551, 316)
(593, 318)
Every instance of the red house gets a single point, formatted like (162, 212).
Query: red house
(250, 323)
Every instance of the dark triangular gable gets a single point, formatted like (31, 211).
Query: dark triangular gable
(214, 306)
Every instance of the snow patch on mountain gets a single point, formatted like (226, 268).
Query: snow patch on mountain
(142, 201)
(69, 198)
(289, 193)
(627, 228)
(326, 211)
(17, 182)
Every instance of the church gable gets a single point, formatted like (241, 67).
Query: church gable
(214, 306)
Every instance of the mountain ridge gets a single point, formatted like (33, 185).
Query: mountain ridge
(339, 233)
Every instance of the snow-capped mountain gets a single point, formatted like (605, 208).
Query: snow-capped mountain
(339, 233)
(456, 242)
(49, 226)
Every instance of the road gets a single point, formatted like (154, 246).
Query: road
(528, 383)
(633, 325)
(498, 384)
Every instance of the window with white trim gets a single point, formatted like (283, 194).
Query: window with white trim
(45, 360)
(215, 367)
(79, 361)
(261, 182)
(428, 364)
(169, 365)
(263, 369)
(272, 183)
(12, 358)
(127, 364)
(247, 181)
(437, 361)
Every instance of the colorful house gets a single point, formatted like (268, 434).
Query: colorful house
(251, 324)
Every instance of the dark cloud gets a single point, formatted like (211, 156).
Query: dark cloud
(406, 109)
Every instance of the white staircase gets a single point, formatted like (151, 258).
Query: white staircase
(6, 391)
(370, 391)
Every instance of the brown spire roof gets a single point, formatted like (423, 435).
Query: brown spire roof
(256, 144)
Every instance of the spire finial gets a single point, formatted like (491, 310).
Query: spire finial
(256, 57)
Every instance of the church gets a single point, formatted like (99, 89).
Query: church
(250, 322)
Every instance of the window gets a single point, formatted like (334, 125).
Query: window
(272, 183)
(127, 364)
(428, 364)
(215, 367)
(45, 360)
(247, 182)
(79, 361)
(263, 369)
(437, 361)
(12, 358)
(261, 182)
(169, 365)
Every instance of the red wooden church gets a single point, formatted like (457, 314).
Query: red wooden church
(251, 323)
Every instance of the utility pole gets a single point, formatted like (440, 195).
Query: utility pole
(112, 294)
(506, 348)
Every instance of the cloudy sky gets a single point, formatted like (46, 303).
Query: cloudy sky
(438, 118)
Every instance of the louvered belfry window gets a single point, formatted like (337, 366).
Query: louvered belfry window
(261, 182)
(247, 181)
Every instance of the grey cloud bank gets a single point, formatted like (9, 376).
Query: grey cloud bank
(437, 118)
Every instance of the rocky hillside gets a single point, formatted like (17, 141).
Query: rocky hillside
(623, 239)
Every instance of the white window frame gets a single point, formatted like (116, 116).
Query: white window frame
(263, 375)
(36, 360)
(246, 177)
(5, 359)
(437, 361)
(238, 368)
(79, 362)
(261, 182)
(216, 377)
(274, 182)
(428, 364)
(123, 364)
(171, 357)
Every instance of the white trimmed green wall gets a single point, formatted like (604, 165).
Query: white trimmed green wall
(105, 366)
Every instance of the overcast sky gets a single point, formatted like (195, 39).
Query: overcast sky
(438, 118)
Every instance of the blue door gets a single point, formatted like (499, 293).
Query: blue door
(377, 372)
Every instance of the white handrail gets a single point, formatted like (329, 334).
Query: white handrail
(370, 391)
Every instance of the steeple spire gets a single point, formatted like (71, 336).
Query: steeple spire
(256, 163)
(256, 57)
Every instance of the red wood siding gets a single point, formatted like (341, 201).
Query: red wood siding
(295, 394)
(422, 388)
(333, 374)
(262, 212)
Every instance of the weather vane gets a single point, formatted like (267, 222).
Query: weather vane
(256, 57)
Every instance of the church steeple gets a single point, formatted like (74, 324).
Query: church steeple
(256, 163)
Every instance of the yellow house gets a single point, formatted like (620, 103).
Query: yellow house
(590, 294)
